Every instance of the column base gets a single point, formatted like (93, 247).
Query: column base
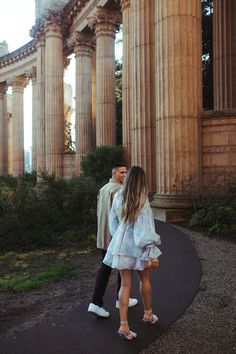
(171, 208)
(172, 215)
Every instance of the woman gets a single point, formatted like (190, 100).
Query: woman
(133, 245)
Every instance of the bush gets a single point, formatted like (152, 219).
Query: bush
(98, 163)
(214, 204)
(33, 215)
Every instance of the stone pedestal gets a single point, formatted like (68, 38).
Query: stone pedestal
(224, 54)
(84, 128)
(3, 129)
(105, 23)
(18, 125)
(178, 99)
(54, 98)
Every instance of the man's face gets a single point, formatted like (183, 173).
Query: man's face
(120, 174)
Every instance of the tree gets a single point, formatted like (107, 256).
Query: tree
(207, 53)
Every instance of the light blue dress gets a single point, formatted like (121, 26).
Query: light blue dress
(132, 245)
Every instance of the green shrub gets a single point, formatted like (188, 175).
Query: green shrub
(98, 163)
(33, 215)
(215, 205)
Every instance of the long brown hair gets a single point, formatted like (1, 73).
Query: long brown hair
(134, 194)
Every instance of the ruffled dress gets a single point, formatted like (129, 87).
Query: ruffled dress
(132, 245)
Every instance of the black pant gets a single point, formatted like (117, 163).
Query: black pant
(102, 281)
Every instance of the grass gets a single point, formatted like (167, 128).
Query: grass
(26, 271)
(26, 282)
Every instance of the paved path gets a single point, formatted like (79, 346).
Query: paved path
(174, 286)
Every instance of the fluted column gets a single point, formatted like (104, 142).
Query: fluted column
(35, 103)
(3, 129)
(142, 97)
(105, 23)
(9, 144)
(178, 98)
(126, 66)
(54, 98)
(18, 125)
(94, 98)
(40, 136)
(224, 54)
(84, 67)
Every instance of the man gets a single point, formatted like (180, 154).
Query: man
(105, 198)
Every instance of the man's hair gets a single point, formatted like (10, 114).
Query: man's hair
(117, 166)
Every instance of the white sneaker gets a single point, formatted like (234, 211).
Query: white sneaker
(99, 311)
(132, 302)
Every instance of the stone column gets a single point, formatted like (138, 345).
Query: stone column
(224, 54)
(142, 96)
(105, 23)
(84, 48)
(94, 98)
(54, 98)
(9, 144)
(18, 86)
(3, 129)
(178, 98)
(126, 67)
(35, 103)
(40, 137)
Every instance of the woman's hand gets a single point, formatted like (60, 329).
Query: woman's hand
(154, 262)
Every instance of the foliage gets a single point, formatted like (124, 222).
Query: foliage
(69, 143)
(118, 90)
(214, 203)
(98, 163)
(207, 53)
(33, 215)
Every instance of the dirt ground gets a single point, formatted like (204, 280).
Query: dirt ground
(23, 310)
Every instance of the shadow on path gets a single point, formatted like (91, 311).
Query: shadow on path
(174, 287)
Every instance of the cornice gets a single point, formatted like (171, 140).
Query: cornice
(18, 54)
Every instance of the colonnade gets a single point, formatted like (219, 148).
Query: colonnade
(162, 89)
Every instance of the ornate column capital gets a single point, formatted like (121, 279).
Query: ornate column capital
(84, 44)
(3, 89)
(53, 21)
(32, 74)
(105, 22)
(18, 83)
(124, 4)
(38, 31)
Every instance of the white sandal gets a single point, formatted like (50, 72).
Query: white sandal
(152, 320)
(128, 335)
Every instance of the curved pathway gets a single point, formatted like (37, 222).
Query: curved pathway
(175, 285)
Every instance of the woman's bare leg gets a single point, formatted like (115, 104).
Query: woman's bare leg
(146, 290)
(124, 294)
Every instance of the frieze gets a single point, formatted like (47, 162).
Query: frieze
(73, 8)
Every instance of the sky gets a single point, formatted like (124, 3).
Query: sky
(16, 19)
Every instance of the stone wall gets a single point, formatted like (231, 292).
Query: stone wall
(218, 145)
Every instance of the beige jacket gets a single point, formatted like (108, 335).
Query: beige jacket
(105, 198)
